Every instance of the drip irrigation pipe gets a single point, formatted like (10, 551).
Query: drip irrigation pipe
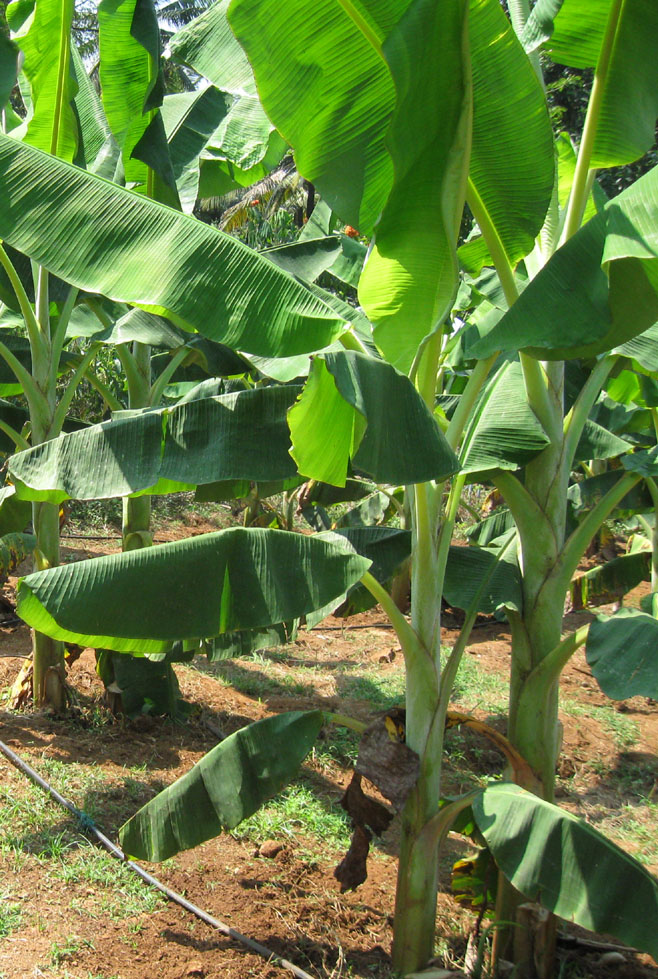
(88, 825)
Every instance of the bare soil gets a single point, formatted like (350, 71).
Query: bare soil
(289, 902)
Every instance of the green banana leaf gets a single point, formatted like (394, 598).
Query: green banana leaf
(137, 251)
(331, 64)
(631, 387)
(510, 124)
(190, 119)
(632, 80)
(569, 867)
(409, 282)
(347, 69)
(540, 24)
(15, 514)
(492, 527)
(228, 784)
(467, 567)
(132, 87)
(621, 652)
(597, 442)
(45, 40)
(349, 263)
(387, 547)
(98, 151)
(582, 292)
(233, 436)
(610, 581)
(644, 462)
(643, 349)
(359, 408)
(8, 69)
(188, 590)
(208, 46)
(588, 492)
(306, 258)
(503, 431)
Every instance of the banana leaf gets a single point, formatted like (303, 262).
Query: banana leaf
(188, 590)
(569, 867)
(621, 652)
(226, 786)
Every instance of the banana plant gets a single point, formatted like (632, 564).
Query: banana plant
(110, 149)
(398, 113)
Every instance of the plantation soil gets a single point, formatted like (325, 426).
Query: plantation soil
(289, 900)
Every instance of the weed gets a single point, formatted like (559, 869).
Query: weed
(72, 944)
(10, 915)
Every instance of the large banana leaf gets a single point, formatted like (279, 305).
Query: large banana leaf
(107, 240)
(569, 867)
(466, 569)
(503, 432)
(577, 305)
(643, 349)
(512, 162)
(131, 80)
(622, 653)
(45, 39)
(349, 263)
(344, 94)
(597, 442)
(387, 548)
(233, 436)
(190, 119)
(348, 66)
(588, 492)
(357, 408)
(228, 784)
(208, 46)
(141, 601)
(97, 148)
(623, 134)
(409, 282)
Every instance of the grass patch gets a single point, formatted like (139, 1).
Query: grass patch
(298, 816)
(380, 691)
(121, 893)
(10, 915)
(477, 688)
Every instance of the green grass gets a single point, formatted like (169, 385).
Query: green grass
(380, 691)
(10, 915)
(120, 893)
(477, 688)
(298, 816)
(61, 952)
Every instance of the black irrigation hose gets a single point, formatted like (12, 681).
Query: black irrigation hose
(88, 825)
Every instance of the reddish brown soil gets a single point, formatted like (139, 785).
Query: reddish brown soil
(291, 903)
